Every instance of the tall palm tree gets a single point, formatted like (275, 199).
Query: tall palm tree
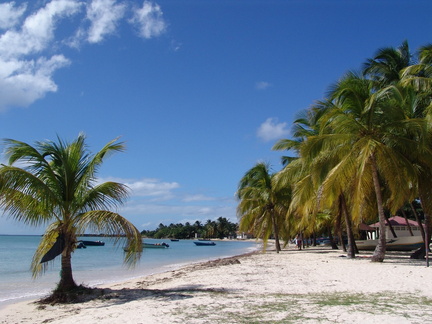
(397, 67)
(55, 184)
(386, 66)
(371, 134)
(262, 207)
(306, 174)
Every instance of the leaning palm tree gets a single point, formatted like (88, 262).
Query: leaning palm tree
(262, 208)
(55, 184)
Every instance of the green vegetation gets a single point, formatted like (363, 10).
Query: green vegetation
(360, 154)
(295, 308)
(262, 205)
(56, 185)
(220, 228)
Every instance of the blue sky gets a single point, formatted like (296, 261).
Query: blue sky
(199, 90)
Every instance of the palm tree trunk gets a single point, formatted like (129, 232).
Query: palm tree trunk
(66, 279)
(407, 222)
(425, 190)
(331, 238)
(427, 210)
(276, 233)
(352, 248)
(339, 229)
(419, 223)
(379, 253)
(390, 226)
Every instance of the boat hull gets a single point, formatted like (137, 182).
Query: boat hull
(155, 246)
(203, 243)
(406, 243)
(93, 243)
(162, 245)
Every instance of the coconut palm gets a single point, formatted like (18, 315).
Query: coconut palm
(386, 66)
(414, 76)
(55, 183)
(419, 77)
(262, 207)
(371, 133)
(306, 174)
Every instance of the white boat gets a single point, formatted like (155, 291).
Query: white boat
(405, 243)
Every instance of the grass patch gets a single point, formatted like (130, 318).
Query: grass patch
(307, 308)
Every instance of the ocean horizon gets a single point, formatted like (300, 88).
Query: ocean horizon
(97, 265)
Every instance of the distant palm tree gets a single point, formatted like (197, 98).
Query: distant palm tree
(56, 184)
(210, 229)
(262, 208)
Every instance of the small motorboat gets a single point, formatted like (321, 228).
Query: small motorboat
(204, 243)
(93, 243)
(174, 240)
(162, 245)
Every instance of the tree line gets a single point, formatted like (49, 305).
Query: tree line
(361, 153)
(221, 228)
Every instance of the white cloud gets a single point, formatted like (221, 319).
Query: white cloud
(23, 82)
(104, 16)
(176, 46)
(37, 30)
(272, 130)
(24, 78)
(262, 85)
(30, 49)
(10, 15)
(152, 188)
(148, 20)
(197, 197)
(147, 187)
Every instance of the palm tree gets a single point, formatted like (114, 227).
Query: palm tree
(385, 68)
(370, 133)
(419, 77)
(56, 184)
(262, 207)
(396, 67)
(307, 172)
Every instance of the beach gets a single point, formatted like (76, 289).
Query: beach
(315, 285)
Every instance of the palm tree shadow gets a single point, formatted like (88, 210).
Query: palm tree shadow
(126, 295)
(123, 296)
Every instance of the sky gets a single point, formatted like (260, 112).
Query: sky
(199, 90)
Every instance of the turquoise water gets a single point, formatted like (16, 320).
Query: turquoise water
(98, 264)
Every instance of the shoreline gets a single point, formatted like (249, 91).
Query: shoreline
(152, 262)
(313, 285)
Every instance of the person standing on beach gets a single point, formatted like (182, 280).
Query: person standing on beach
(299, 241)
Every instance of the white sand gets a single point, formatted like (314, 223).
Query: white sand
(311, 286)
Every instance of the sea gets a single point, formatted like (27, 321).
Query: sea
(97, 265)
